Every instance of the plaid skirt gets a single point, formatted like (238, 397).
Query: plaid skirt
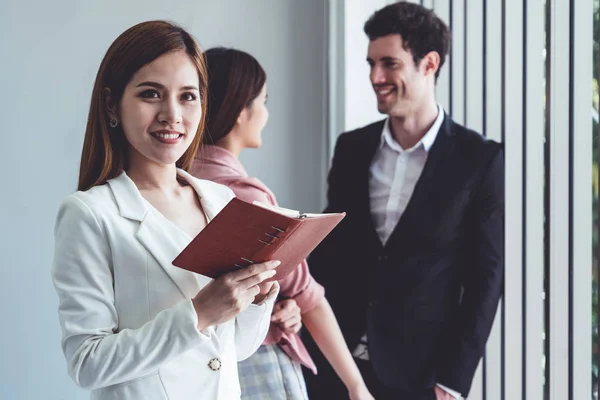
(269, 374)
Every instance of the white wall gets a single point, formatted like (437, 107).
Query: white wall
(360, 100)
(50, 52)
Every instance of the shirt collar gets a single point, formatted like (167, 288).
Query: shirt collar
(427, 140)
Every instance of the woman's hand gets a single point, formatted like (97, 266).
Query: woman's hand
(224, 298)
(286, 314)
(360, 393)
(266, 288)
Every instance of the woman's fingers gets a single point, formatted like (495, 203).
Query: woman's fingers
(295, 328)
(291, 323)
(253, 270)
(284, 310)
(255, 280)
(254, 290)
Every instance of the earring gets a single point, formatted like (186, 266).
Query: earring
(113, 122)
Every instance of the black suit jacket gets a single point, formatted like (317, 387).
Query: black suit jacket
(427, 299)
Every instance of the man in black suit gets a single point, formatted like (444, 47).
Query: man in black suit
(414, 272)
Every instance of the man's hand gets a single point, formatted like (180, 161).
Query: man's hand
(441, 394)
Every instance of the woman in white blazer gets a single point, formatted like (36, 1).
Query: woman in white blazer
(134, 326)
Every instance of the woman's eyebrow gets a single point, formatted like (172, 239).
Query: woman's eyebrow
(162, 87)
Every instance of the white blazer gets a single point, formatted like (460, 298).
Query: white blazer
(129, 326)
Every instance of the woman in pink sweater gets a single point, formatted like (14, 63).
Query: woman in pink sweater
(237, 114)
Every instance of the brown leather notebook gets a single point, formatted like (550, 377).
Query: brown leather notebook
(247, 233)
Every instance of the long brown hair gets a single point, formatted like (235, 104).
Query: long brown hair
(104, 154)
(235, 79)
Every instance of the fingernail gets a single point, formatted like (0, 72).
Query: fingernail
(271, 273)
(275, 263)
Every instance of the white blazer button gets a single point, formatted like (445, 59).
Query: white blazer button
(214, 364)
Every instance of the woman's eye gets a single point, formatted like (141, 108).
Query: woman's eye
(188, 97)
(150, 94)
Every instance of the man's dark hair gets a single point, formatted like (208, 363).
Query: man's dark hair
(422, 31)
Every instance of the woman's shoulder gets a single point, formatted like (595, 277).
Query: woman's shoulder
(250, 189)
(94, 204)
(96, 198)
(249, 181)
(234, 182)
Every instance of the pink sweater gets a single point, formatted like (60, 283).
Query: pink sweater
(220, 165)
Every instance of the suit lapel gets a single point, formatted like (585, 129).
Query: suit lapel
(431, 182)
(367, 150)
(211, 204)
(164, 241)
(161, 238)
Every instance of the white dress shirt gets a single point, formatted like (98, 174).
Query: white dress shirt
(393, 175)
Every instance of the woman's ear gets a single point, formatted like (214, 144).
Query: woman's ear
(110, 106)
(243, 117)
